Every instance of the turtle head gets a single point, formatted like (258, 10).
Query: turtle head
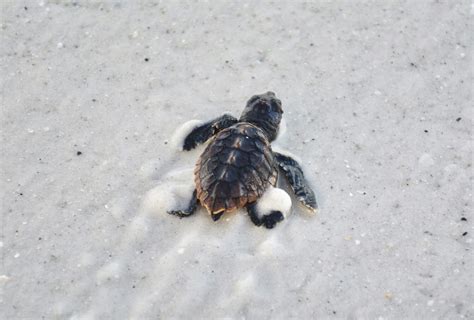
(264, 111)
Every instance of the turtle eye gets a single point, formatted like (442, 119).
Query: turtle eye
(276, 106)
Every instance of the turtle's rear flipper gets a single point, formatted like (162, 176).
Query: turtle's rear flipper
(216, 216)
(202, 133)
(189, 211)
(269, 220)
(294, 175)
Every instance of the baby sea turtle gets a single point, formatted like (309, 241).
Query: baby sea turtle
(238, 164)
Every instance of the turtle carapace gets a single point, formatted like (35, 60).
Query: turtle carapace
(238, 164)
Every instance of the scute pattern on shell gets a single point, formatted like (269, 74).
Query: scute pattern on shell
(235, 169)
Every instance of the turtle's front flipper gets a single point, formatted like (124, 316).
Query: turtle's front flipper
(202, 133)
(189, 211)
(269, 220)
(294, 175)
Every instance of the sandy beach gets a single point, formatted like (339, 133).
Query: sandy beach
(377, 100)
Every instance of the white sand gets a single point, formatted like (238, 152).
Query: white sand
(274, 199)
(371, 94)
(180, 134)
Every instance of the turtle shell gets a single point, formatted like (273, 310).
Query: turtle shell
(235, 169)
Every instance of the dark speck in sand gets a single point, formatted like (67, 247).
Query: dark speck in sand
(463, 219)
(464, 234)
(458, 119)
(147, 59)
(78, 153)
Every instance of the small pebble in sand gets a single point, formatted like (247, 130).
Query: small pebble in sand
(78, 153)
(388, 295)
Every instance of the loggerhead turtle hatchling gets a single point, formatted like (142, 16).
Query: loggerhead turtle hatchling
(238, 164)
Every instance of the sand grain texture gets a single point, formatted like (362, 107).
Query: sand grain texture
(378, 107)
